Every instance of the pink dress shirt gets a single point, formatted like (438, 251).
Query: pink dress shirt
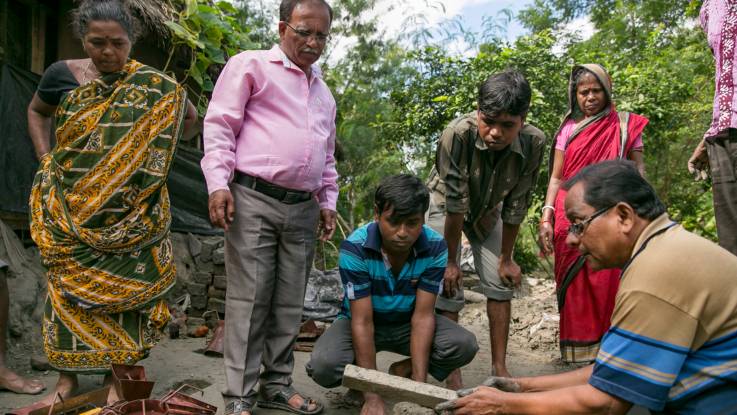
(268, 120)
(719, 21)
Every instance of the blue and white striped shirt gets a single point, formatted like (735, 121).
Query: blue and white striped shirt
(365, 273)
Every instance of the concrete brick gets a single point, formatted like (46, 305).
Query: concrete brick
(213, 292)
(194, 288)
(203, 266)
(395, 387)
(209, 245)
(201, 277)
(220, 282)
(218, 256)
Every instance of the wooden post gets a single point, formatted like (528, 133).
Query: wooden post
(394, 387)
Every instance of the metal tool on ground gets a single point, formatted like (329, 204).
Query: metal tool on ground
(130, 382)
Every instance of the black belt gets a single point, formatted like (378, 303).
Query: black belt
(282, 194)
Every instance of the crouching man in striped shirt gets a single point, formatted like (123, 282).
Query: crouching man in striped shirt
(392, 271)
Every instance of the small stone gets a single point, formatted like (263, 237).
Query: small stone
(194, 244)
(474, 297)
(218, 256)
(203, 278)
(194, 322)
(209, 245)
(220, 282)
(200, 331)
(213, 292)
(194, 288)
(202, 265)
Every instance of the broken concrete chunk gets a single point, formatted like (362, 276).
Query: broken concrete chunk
(203, 278)
(196, 289)
(218, 256)
(213, 292)
(395, 387)
(194, 244)
(209, 245)
(474, 297)
(220, 282)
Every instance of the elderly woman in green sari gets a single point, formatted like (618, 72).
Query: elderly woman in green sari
(99, 204)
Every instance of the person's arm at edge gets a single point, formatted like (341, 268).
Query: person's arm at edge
(362, 332)
(557, 381)
(508, 269)
(452, 235)
(224, 120)
(580, 399)
(638, 157)
(40, 115)
(327, 196)
(514, 211)
(422, 334)
(221, 126)
(547, 215)
(190, 118)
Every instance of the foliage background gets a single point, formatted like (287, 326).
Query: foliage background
(395, 95)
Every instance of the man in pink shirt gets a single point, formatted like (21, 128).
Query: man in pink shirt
(269, 138)
(717, 152)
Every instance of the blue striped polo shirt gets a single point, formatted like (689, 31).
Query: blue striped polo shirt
(365, 273)
(672, 345)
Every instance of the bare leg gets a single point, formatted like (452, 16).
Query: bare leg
(499, 313)
(454, 381)
(402, 368)
(65, 386)
(8, 379)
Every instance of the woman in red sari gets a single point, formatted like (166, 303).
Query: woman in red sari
(592, 131)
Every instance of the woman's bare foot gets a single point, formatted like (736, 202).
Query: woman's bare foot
(65, 386)
(112, 396)
(500, 371)
(13, 382)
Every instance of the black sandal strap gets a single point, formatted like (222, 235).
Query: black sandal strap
(238, 406)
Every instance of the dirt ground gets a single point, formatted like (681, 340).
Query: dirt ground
(533, 350)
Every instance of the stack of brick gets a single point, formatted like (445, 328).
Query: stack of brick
(206, 288)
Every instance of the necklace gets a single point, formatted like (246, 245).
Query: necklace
(86, 70)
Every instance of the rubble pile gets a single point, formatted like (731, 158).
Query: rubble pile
(535, 317)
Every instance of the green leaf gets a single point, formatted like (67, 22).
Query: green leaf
(226, 7)
(191, 7)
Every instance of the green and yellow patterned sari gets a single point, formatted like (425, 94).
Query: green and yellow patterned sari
(100, 217)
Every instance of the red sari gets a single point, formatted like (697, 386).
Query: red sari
(589, 301)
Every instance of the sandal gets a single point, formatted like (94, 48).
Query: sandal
(238, 406)
(280, 400)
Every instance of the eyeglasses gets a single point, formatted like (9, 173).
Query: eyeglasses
(578, 228)
(320, 37)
